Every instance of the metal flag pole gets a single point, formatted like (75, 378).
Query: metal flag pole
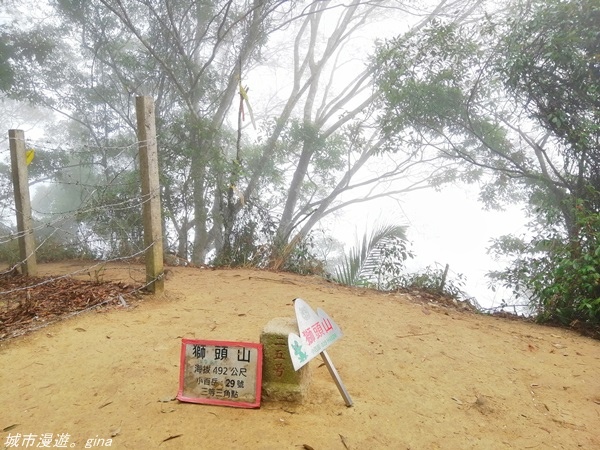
(336, 378)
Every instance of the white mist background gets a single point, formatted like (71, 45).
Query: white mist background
(448, 226)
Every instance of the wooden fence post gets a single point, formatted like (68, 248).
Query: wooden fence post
(18, 162)
(146, 131)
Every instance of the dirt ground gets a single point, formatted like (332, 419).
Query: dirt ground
(421, 375)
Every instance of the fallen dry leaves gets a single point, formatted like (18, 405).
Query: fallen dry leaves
(28, 303)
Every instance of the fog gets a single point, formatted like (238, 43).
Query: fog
(445, 227)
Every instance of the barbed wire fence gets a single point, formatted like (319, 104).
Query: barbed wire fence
(100, 205)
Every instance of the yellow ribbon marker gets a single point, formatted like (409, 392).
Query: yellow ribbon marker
(29, 154)
(244, 94)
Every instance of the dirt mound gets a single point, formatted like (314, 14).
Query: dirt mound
(422, 375)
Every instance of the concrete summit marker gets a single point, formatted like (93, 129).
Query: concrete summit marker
(280, 381)
(317, 332)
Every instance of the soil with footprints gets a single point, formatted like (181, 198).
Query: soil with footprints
(422, 373)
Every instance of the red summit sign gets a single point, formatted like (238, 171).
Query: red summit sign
(220, 373)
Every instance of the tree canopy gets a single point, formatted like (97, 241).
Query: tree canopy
(515, 98)
(230, 193)
(506, 96)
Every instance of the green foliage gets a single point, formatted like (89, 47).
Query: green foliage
(434, 280)
(552, 63)
(22, 50)
(9, 251)
(560, 277)
(303, 259)
(377, 260)
(516, 97)
(251, 239)
(53, 248)
(7, 76)
(90, 199)
(189, 56)
(422, 78)
(327, 158)
(60, 248)
(439, 91)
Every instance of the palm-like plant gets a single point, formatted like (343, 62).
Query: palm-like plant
(375, 259)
